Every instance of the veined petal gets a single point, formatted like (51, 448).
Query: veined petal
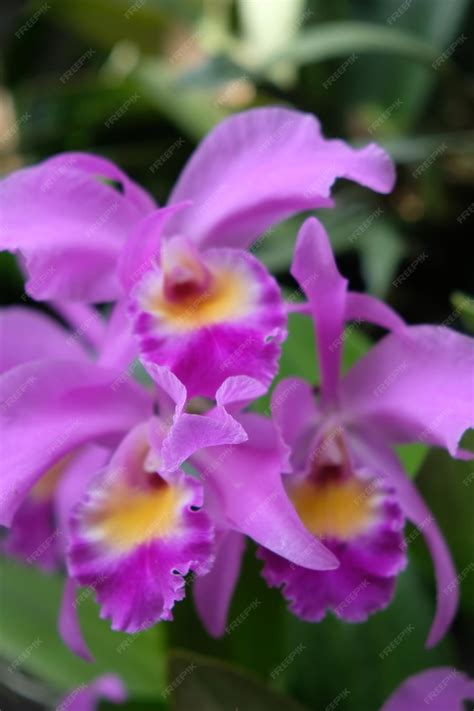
(28, 334)
(440, 689)
(238, 391)
(234, 327)
(135, 536)
(316, 272)
(175, 435)
(261, 166)
(258, 505)
(194, 432)
(75, 225)
(213, 591)
(49, 408)
(416, 386)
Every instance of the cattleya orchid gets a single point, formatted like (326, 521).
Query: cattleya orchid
(134, 486)
(92, 476)
(201, 305)
(343, 477)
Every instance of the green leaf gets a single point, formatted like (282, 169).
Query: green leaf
(412, 456)
(191, 111)
(211, 685)
(340, 39)
(29, 601)
(447, 485)
(464, 307)
(433, 21)
(106, 22)
(381, 249)
(348, 661)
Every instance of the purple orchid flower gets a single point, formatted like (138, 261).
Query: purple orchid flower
(440, 689)
(62, 417)
(199, 303)
(84, 436)
(346, 483)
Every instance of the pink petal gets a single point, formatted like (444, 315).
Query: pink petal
(376, 455)
(69, 625)
(28, 334)
(259, 167)
(238, 391)
(74, 227)
(138, 578)
(316, 272)
(364, 307)
(50, 408)
(213, 591)
(142, 248)
(245, 492)
(417, 385)
(294, 411)
(87, 697)
(440, 689)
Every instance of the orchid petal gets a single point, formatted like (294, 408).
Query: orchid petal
(261, 166)
(28, 334)
(213, 591)
(315, 270)
(194, 432)
(74, 228)
(294, 410)
(258, 505)
(443, 688)
(120, 347)
(142, 249)
(417, 385)
(364, 307)
(238, 391)
(50, 408)
(378, 456)
(84, 320)
(69, 625)
(87, 697)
